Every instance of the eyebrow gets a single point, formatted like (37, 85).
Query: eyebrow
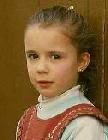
(53, 51)
(30, 51)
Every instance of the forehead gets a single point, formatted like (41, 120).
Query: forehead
(46, 38)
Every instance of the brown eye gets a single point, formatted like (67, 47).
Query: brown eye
(32, 56)
(56, 56)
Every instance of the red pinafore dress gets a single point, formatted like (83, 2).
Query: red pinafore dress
(30, 127)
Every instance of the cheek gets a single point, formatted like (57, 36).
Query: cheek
(66, 75)
(61, 70)
(30, 71)
(67, 68)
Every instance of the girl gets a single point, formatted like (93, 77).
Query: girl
(59, 50)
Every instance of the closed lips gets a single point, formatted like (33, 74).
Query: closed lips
(44, 82)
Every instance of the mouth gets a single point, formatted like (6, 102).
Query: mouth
(45, 84)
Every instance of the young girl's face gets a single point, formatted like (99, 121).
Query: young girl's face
(52, 60)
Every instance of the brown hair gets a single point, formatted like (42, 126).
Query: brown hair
(78, 30)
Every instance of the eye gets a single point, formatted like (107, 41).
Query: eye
(56, 56)
(32, 56)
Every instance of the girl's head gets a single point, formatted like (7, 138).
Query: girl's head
(58, 46)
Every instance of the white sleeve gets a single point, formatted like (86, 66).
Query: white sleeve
(84, 128)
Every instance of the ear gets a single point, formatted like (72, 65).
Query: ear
(84, 60)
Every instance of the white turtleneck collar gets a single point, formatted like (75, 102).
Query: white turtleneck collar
(50, 107)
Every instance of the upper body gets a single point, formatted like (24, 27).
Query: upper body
(83, 127)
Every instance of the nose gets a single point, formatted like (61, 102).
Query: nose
(42, 66)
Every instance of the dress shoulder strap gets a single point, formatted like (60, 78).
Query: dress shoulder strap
(73, 113)
(24, 119)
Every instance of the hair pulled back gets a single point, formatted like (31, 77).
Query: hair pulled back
(78, 31)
